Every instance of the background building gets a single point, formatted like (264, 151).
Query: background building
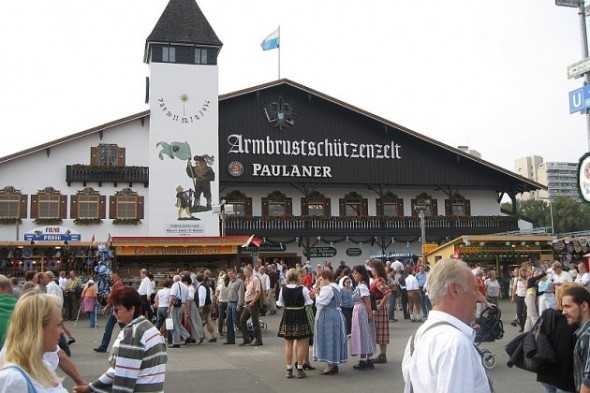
(311, 176)
(559, 177)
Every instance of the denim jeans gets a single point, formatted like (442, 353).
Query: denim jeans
(221, 316)
(92, 318)
(108, 331)
(391, 305)
(552, 389)
(231, 321)
(162, 314)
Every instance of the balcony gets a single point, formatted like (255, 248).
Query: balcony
(450, 226)
(95, 174)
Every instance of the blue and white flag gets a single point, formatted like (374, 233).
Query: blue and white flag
(272, 41)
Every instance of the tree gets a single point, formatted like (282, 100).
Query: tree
(568, 215)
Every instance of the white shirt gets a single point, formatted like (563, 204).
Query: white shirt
(163, 296)
(144, 287)
(12, 381)
(179, 291)
(55, 290)
(308, 301)
(325, 296)
(152, 288)
(583, 279)
(265, 281)
(444, 358)
(562, 278)
(412, 283)
(63, 283)
(202, 295)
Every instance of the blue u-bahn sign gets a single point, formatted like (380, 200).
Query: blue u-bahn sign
(580, 99)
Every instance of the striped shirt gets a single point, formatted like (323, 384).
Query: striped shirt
(137, 362)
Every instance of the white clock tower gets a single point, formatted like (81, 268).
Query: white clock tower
(182, 53)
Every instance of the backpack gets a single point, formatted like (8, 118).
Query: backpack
(207, 296)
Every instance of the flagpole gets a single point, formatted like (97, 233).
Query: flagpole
(279, 52)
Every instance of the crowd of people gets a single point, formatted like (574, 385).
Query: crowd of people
(328, 315)
(33, 328)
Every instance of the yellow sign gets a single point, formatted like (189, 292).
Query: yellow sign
(428, 247)
(176, 250)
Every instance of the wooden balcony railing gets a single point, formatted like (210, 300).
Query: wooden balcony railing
(371, 225)
(97, 174)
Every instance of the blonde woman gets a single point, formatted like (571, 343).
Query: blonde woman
(35, 328)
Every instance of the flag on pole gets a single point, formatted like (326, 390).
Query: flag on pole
(252, 240)
(272, 41)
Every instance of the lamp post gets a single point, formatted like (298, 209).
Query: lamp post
(550, 203)
(421, 209)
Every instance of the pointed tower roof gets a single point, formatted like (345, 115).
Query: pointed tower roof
(183, 22)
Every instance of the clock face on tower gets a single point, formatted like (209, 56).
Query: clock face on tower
(182, 109)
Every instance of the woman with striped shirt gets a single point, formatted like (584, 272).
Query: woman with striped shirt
(138, 358)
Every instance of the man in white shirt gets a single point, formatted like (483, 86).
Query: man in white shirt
(265, 282)
(441, 357)
(144, 292)
(414, 303)
(560, 276)
(53, 288)
(177, 291)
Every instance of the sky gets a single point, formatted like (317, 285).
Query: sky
(491, 75)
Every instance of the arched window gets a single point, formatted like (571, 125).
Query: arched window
(425, 200)
(316, 205)
(276, 204)
(457, 206)
(390, 206)
(242, 204)
(354, 205)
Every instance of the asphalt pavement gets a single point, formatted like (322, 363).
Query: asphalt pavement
(213, 367)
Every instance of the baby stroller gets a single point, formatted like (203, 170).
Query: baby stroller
(488, 328)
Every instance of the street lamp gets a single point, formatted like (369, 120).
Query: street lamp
(223, 209)
(550, 203)
(421, 208)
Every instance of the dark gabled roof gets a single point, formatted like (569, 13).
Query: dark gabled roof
(519, 183)
(73, 137)
(183, 22)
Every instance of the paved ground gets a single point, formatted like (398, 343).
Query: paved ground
(213, 367)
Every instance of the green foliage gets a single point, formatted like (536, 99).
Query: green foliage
(568, 215)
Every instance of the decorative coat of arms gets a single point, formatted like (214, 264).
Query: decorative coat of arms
(280, 113)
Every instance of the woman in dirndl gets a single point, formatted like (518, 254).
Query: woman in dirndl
(362, 333)
(381, 291)
(294, 326)
(330, 331)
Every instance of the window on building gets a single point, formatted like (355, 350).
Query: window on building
(242, 204)
(276, 209)
(457, 206)
(200, 56)
(315, 209)
(87, 204)
(49, 203)
(425, 201)
(48, 206)
(107, 155)
(168, 54)
(126, 205)
(13, 204)
(9, 205)
(353, 205)
(390, 206)
(277, 204)
(316, 205)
